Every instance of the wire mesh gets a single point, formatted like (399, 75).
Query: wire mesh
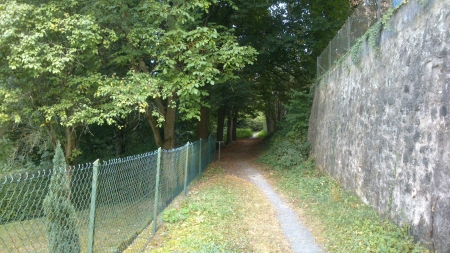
(364, 17)
(125, 199)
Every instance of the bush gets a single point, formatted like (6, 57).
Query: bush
(297, 118)
(61, 223)
(244, 133)
(285, 153)
(262, 134)
(255, 124)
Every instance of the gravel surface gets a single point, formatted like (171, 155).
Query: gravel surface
(298, 236)
(238, 161)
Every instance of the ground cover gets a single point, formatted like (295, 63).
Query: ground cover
(339, 220)
(222, 213)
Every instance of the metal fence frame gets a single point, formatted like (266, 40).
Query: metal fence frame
(114, 200)
(365, 16)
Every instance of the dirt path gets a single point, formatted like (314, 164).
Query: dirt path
(237, 159)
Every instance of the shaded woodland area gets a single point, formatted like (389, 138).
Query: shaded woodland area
(116, 78)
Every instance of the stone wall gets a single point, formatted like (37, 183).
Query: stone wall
(381, 126)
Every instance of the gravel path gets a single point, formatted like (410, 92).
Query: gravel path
(298, 236)
(240, 154)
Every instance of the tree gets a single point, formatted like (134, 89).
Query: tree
(170, 55)
(68, 64)
(289, 35)
(61, 222)
(48, 74)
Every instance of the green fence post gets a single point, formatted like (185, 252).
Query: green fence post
(209, 150)
(186, 169)
(155, 206)
(200, 158)
(92, 213)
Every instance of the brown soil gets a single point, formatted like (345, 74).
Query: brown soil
(239, 154)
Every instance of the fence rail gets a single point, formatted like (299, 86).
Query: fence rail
(114, 201)
(365, 16)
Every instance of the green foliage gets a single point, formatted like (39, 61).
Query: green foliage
(262, 134)
(288, 147)
(285, 153)
(255, 124)
(12, 209)
(202, 222)
(61, 222)
(351, 226)
(371, 35)
(6, 151)
(244, 133)
(297, 118)
(67, 64)
(173, 215)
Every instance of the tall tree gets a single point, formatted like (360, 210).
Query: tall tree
(67, 64)
(171, 54)
(289, 35)
(48, 59)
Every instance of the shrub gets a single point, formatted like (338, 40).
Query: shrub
(61, 223)
(255, 124)
(244, 133)
(262, 134)
(285, 153)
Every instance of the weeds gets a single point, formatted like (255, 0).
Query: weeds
(222, 213)
(243, 133)
(286, 152)
(205, 221)
(350, 225)
(262, 134)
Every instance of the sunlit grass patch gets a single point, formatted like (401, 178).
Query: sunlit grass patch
(344, 223)
(243, 133)
(222, 213)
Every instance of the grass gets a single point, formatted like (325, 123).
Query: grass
(243, 133)
(262, 134)
(340, 221)
(115, 224)
(222, 213)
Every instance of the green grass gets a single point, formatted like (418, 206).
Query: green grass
(346, 224)
(207, 221)
(115, 225)
(243, 133)
(262, 134)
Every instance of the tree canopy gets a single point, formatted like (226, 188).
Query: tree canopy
(67, 65)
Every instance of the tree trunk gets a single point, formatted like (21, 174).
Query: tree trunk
(155, 129)
(230, 127)
(165, 138)
(119, 141)
(203, 124)
(235, 115)
(220, 123)
(271, 117)
(269, 124)
(69, 146)
(169, 127)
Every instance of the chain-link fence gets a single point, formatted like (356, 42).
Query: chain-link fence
(105, 206)
(365, 16)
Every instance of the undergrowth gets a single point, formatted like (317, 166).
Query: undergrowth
(343, 222)
(204, 222)
(349, 225)
(243, 133)
(262, 134)
(288, 146)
